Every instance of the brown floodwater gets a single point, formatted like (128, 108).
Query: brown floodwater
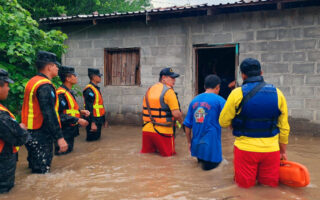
(114, 168)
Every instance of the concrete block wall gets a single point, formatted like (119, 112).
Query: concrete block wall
(286, 42)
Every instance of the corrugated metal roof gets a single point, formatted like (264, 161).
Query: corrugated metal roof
(159, 11)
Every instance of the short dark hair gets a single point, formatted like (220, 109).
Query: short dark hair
(211, 81)
(40, 65)
(2, 82)
(160, 78)
(64, 77)
(91, 76)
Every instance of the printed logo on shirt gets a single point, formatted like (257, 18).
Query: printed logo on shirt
(91, 94)
(53, 94)
(200, 114)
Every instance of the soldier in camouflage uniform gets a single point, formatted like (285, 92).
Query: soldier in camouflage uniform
(40, 114)
(69, 111)
(12, 135)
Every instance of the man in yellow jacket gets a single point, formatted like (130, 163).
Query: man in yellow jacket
(258, 114)
(160, 110)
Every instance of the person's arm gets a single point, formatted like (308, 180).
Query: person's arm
(229, 110)
(170, 98)
(64, 118)
(283, 125)
(188, 136)
(188, 121)
(46, 97)
(85, 113)
(10, 130)
(89, 97)
(177, 115)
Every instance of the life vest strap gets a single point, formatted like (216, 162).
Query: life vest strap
(157, 109)
(151, 117)
(159, 116)
(164, 135)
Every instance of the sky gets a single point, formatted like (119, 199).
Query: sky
(167, 3)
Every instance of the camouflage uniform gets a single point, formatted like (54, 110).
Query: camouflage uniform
(40, 147)
(12, 135)
(68, 131)
(89, 98)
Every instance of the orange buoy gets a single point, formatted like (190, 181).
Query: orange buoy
(293, 174)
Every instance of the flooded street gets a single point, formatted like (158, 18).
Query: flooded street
(113, 168)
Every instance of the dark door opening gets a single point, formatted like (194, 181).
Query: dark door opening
(220, 60)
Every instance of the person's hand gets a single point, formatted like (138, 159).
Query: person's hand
(63, 146)
(283, 151)
(94, 127)
(83, 122)
(23, 126)
(283, 156)
(85, 113)
(232, 85)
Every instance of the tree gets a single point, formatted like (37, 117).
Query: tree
(49, 8)
(20, 40)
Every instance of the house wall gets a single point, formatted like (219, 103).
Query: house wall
(286, 42)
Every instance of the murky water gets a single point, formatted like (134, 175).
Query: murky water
(113, 168)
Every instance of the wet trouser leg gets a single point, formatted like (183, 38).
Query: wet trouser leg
(39, 155)
(7, 172)
(92, 136)
(207, 165)
(70, 142)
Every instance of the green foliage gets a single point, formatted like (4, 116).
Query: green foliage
(20, 40)
(49, 8)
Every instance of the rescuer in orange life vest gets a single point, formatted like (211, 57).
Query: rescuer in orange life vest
(69, 112)
(12, 134)
(40, 114)
(94, 103)
(160, 110)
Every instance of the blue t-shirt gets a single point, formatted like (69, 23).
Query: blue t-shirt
(203, 119)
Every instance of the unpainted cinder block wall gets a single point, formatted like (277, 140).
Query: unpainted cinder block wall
(285, 41)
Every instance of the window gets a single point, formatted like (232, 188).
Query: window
(122, 66)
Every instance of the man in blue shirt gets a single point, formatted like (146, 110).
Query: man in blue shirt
(203, 120)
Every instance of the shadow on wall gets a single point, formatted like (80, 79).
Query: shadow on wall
(301, 126)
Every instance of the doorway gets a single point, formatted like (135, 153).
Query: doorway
(221, 60)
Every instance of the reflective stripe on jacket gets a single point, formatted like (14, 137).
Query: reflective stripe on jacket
(98, 108)
(15, 149)
(259, 116)
(160, 111)
(31, 114)
(72, 103)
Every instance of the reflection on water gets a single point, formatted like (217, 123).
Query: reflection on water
(113, 168)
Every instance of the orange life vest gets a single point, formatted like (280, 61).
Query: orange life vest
(160, 111)
(73, 107)
(98, 108)
(31, 114)
(15, 149)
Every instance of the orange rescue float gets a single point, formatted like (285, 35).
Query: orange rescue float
(293, 174)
